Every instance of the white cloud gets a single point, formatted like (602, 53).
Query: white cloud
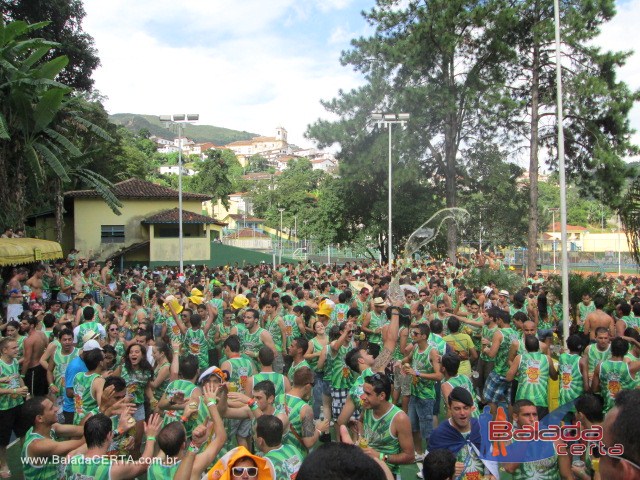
(232, 62)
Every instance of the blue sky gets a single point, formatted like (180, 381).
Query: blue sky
(251, 64)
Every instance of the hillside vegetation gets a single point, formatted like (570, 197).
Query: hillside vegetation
(199, 133)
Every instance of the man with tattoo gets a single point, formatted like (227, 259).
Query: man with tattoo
(303, 432)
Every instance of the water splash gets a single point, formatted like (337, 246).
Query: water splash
(422, 236)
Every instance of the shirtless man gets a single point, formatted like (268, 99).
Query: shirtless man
(35, 282)
(14, 294)
(35, 375)
(598, 318)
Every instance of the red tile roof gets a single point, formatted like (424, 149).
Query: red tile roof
(570, 228)
(172, 216)
(135, 188)
(247, 233)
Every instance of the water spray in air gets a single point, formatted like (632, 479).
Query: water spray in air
(421, 237)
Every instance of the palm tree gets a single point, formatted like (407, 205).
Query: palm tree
(39, 118)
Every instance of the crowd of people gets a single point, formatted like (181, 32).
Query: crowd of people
(305, 371)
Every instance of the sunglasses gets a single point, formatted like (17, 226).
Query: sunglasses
(415, 334)
(113, 329)
(239, 471)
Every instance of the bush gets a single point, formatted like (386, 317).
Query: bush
(504, 279)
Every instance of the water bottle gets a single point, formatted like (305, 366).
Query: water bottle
(324, 437)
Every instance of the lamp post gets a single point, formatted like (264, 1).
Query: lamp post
(179, 120)
(280, 235)
(553, 227)
(619, 248)
(387, 120)
(564, 258)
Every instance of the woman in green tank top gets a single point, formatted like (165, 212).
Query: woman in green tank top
(162, 356)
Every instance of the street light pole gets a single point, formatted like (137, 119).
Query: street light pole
(280, 235)
(553, 227)
(179, 120)
(564, 259)
(387, 120)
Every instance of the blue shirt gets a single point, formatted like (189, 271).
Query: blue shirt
(75, 366)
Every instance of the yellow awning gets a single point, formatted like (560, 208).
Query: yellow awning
(16, 251)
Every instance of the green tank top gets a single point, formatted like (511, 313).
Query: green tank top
(377, 432)
(339, 313)
(251, 341)
(241, 370)
(286, 461)
(294, 368)
(273, 327)
(356, 391)
(614, 377)
(570, 378)
(85, 328)
(276, 378)
(487, 333)
(420, 361)
(502, 358)
(136, 383)
(158, 471)
(81, 468)
(159, 391)
(464, 382)
(60, 365)
(292, 407)
(317, 347)
(437, 342)
(595, 356)
(585, 310)
(82, 396)
(219, 304)
(546, 469)
(474, 332)
(197, 345)
(174, 415)
(12, 371)
(397, 354)
(31, 466)
(291, 327)
(377, 321)
(533, 379)
(340, 376)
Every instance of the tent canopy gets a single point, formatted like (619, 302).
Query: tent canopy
(16, 251)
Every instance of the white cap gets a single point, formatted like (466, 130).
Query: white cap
(91, 345)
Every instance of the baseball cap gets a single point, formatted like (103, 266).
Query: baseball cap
(91, 345)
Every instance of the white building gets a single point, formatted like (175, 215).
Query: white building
(174, 170)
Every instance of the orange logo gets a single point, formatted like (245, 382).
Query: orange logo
(533, 374)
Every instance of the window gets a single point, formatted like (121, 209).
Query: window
(112, 233)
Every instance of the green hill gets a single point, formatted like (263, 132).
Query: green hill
(199, 133)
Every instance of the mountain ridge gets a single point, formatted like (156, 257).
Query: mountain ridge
(135, 122)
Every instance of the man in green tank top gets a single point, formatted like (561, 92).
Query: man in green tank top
(87, 386)
(585, 308)
(452, 379)
(254, 337)
(424, 366)
(40, 443)
(571, 385)
(303, 433)
(533, 370)
(285, 458)
(57, 365)
(497, 389)
(364, 364)
(594, 354)
(173, 441)
(613, 375)
(91, 328)
(386, 429)
(182, 391)
(95, 464)
(556, 467)
(374, 320)
(280, 382)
